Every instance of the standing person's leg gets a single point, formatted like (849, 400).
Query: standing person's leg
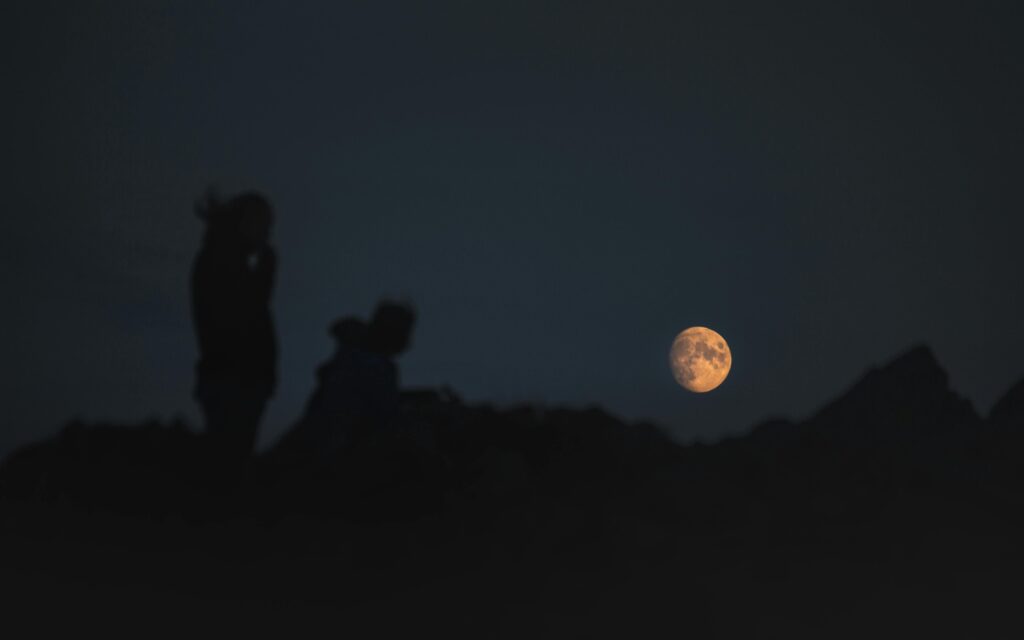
(214, 397)
(232, 411)
(250, 411)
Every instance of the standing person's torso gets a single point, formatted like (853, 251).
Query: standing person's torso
(231, 313)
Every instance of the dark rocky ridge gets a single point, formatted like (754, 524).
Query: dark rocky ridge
(1008, 412)
(893, 510)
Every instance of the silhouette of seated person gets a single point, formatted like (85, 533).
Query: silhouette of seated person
(232, 279)
(357, 390)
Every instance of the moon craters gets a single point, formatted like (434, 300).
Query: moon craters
(700, 359)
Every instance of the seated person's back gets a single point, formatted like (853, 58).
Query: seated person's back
(357, 389)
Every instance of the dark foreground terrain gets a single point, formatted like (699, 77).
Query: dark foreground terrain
(894, 512)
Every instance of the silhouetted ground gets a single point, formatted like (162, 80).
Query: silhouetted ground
(893, 512)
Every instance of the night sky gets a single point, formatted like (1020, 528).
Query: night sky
(559, 187)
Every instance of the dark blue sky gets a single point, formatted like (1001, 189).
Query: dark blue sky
(559, 187)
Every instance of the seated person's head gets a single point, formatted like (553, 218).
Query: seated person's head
(349, 330)
(390, 331)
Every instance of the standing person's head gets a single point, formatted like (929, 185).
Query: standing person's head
(390, 331)
(244, 220)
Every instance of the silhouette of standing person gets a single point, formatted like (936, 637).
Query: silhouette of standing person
(232, 279)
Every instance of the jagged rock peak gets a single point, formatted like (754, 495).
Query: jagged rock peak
(918, 362)
(908, 396)
(1009, 409)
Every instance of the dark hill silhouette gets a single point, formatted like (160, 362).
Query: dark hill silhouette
(907, 401)
(1008, 411)
(145, 469)
(894, 507)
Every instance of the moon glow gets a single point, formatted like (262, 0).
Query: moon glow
(700, 359)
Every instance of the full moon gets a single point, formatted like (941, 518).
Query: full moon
(700, 359)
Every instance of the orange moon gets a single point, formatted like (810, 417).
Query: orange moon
(700, 359)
